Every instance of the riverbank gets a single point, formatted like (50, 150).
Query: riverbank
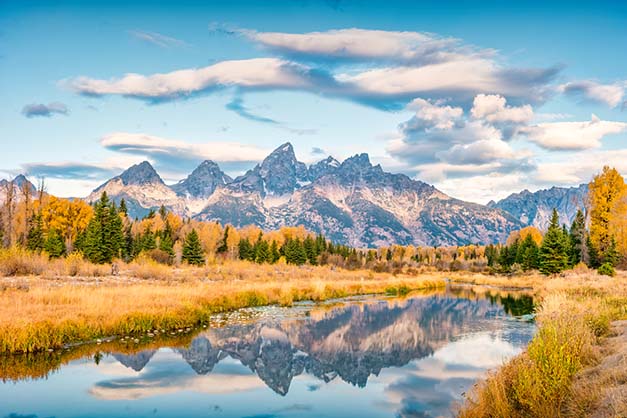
(576, 364)
(40, 313)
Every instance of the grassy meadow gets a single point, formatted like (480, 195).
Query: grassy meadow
(72, 300)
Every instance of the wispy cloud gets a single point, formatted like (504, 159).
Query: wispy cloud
(43, 110)
(180, 156)
(70, 170)
(237, 106)
(156, 38)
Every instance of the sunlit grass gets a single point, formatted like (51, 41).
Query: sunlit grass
(573, 318)
(39, 313)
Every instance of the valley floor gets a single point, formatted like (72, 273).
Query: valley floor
(576, 365)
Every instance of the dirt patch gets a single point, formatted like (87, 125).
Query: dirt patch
(602, 389)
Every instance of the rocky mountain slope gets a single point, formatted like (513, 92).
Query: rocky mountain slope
(353, 202)
(536, 208)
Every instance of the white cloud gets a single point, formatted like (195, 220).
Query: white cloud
(580, 167)
(461, 80)
(609, 94)
(493, 108)
(572, 135)
(363, 44)
(252, 73)
(399, 66)
(429, 115)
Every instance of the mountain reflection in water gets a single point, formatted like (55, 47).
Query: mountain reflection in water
(411, 357)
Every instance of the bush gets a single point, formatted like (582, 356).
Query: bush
(607, 269)
(17, 261)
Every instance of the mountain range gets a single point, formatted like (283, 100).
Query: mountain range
(352, 202)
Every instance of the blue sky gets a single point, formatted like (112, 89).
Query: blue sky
(479, 100)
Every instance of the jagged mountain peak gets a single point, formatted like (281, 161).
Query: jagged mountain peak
(203, 181)
(140, 174)
(360, 161)
(323, 167)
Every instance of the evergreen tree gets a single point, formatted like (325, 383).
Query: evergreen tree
(262, 251)
(35, 236)
(104, 237)
(274, 252)
(54, 245)
(223, 245)
(553, 256)
(128, 250)
(245, 249)
(577, 239)
(611, 255)
(192, 250)
(163, 212)
(310, 249)
(123, 208)
(148, 241)
(166, 243)
(528, 251)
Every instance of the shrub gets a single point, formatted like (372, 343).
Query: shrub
(16, 261)
(606, 269)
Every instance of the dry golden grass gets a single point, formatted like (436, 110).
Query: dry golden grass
(551, 378)
(38, 313)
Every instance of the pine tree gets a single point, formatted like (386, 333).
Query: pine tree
(553, 255)
(262, 252)
(148, 240)
(611, 255)
(35, 236)
(123, 208)
(104, 236)
(274, 252)
(224, 247)
(577, 235)
(245, 249)
(128, 251)
(310, 249)
(192, 250)
(54, 245)
(528, 251)
(166, 244)
(163, 212)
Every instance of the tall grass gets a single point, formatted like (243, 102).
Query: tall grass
(574, 315)
(50, 313)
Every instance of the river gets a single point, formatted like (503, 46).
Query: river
(358, 357)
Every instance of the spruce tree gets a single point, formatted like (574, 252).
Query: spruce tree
(611, 255)
(54, 245)
(245, 249)
(192, 250)
(274, 252)
(35, 236)
(166, 244)
(577, 235)
(123, 208)
(553, 257)
(262, 252)
(528, 251)
(104, 236)
(223, 245)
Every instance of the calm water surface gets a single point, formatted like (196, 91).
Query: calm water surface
(364, 357)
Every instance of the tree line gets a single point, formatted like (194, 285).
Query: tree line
(103, 232)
